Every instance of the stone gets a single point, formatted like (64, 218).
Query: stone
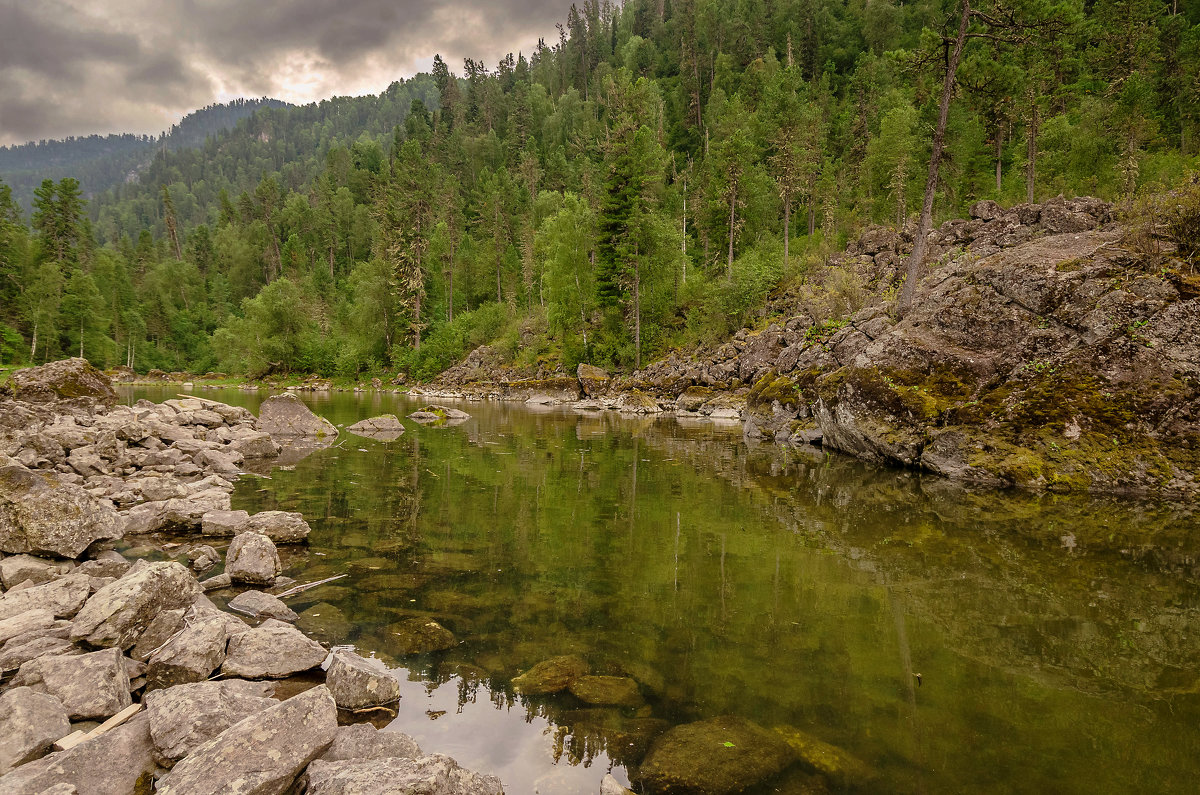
(551, 676)
(41, 513)
(325, 622)
(255, 444)
(439, 416)
(839, 767)
(271, 650)
(286, 416)
(261, 754)
(592, 380)
(358, 682)
(282, 527)
(714, 757)
(17, 569)
(119, 613)
(21, 650)
(119, 762)
(384, 428)
(24, 623)
(610, 786)
(69, 378)
(62, 597)
(203, 557)
(257, 604)
(184, 717)
(216, 582)
(252, 559)
(190, 656)
(619, 691)
(364, 741)
(419, 636)
(30, 722)
(434, 774)
(92, 685)
(223, 523)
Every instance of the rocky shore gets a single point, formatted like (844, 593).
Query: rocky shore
(1044, 350)
(122, 676)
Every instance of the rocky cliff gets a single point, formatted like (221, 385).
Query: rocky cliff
(1043, 351)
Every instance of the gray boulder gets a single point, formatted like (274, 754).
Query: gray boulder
(21, 568)
(286, 416)
(24, 623)
(118, 762)
(255, 444)
(262, 754)
(21, 650)
(69, 378)
(358, 682)
(384, 428)
(89, 686)
(223, 523)
(43, 514)
(714, 757)
(120, 612)
(432, 775)
(185, 717)
(253, 559)
(271, 650)
(62, 597)
(282, 527)
(364, 741)
(190, 656)
(29, 723)
(262, 605)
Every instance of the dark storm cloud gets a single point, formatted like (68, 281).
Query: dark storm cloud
(74, 67)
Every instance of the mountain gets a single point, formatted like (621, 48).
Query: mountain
(100, 162)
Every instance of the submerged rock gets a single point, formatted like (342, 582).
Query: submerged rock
(385, 428)
(358, 682)
(30, 722)
(840, 767)
(287, 417)
(325, 622)
(435, 774)
(714, 757)
(43, 514)
(271, 651)
(263, 753)
(619, 691)
(551, 676)
(419, 636)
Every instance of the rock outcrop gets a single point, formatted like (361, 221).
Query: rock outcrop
(68, 378)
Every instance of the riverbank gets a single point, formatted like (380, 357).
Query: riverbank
(121, 675)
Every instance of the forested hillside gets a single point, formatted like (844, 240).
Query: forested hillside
(100, 162)
(642, 183)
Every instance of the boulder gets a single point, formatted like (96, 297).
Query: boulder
(439, 416)
(592, 380)
(203, 557)
(43, 514)
(89, 686)
(420, 636)
(30, 722)
(21, 568)
(618, 691)
(190, 656)
(364, 741)
(33, 620)
(434, 774)
(62, 597)
(185, 717)
(119, 613)
(69, 378)
(551, 676)
(714, 757)
(255, 444)
(262, 754)
(252, 559)
(118, 762)
(285, 416)
(223, 523)
(271, 651)
(324, 622)
(610, 786)
(384, 428)
(358, 682)
(21, 650)
(282, 527)
(257, 604)
(839, 767)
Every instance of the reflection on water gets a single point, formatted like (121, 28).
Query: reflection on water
(1056, 637)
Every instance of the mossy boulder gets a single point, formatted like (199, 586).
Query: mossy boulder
(419, 636)
(618, 691)
(326, 623)
(839, 766)
(719, 756)
(66, 379)
(551, 676)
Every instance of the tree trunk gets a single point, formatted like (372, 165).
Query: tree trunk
(732, 207)
(1031, 150)
(33, 346)
(916, 260)
(787, 229)
(999, 152)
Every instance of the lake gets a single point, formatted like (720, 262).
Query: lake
(952, 639)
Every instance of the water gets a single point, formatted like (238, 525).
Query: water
(1056, 637)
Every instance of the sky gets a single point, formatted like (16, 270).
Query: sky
(77, 67)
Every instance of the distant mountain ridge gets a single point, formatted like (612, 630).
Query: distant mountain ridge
(100, 162)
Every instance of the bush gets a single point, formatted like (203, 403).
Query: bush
(1181, 220)
(13, 348)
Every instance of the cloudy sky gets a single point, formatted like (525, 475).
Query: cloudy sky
(75, 67)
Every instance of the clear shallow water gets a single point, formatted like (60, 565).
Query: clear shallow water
(1056, 637)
